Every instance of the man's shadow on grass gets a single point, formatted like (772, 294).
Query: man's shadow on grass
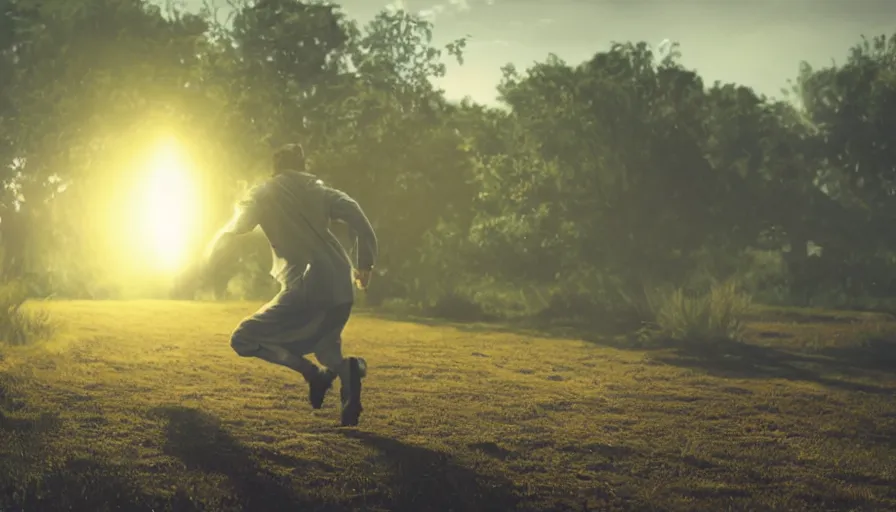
(199, 441)
(424, 480)
(420, 479)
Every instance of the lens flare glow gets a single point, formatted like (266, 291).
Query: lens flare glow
(168, 213)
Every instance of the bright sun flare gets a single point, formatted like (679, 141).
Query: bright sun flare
(169, 208)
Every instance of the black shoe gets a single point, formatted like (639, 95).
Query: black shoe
(318, 387)
(351, 393)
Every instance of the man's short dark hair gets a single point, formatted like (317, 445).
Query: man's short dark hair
(290, 157)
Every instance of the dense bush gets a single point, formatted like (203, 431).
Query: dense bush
(711, 317)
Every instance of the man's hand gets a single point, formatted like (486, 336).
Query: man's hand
(362, 278)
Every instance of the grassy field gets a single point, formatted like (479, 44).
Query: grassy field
(143, 406)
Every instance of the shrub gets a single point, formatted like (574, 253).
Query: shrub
(19, 326)
(710, 317)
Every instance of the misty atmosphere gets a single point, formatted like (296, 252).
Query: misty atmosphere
(650, 267)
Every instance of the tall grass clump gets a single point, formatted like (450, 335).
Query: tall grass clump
(714, 316)
(19, 326)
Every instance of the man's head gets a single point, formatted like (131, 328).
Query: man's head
(290, 157)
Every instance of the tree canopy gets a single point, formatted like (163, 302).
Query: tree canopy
(590, 182)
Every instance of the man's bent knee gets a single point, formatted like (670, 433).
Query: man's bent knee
(242, 345)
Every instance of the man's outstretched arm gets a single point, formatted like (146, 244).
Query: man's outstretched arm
(244, 220)
(346, 209)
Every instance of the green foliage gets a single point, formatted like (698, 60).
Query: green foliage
(18, 325)
(714, 316)
(592, 182)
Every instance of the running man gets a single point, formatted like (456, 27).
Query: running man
(294, 210)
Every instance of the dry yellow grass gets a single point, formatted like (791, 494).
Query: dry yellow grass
(143, 406)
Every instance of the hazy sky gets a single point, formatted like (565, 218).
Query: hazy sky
(753, 42)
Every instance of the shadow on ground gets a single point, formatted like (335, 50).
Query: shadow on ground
(732, 360)
(415, 478)
(427, 480)
(876, 354)
(744, 360)
(73, 485)
(85, 485)
(197, 439)
(420, 479)
(19, 425)
(605, 329)
(535, 328)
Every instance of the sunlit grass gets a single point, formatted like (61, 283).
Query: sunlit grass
(135, 408)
